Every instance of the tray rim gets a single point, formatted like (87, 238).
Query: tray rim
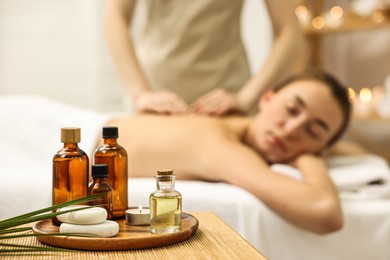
(190, 225)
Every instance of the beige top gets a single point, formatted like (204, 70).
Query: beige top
(191, 47)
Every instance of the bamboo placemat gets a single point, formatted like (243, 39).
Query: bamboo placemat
(213, 240)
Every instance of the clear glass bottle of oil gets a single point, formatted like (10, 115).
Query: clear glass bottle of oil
(100, 185)
(165, 204)
(115, 156)
(70, 169)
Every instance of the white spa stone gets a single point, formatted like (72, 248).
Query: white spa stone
(108, 228)
(94, 215)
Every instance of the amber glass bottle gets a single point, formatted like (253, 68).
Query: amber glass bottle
(70, 169)
(115, 156)
(100, 185)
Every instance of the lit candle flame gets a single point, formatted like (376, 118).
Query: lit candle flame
(336, 12)
(301, 11)
(365, 95)
(140, 208)
(318, 22)
(351, 93)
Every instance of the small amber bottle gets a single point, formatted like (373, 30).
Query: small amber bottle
(165, 204)
(70, 169)
(100, 185)
(115, 156)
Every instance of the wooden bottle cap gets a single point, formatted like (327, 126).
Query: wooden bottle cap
(165, 175)
(70, 135)
(166, 172)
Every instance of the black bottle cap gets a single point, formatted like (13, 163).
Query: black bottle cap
(100, 171)
(110, 132)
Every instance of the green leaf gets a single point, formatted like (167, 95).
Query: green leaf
(8, 226)
(14, 230)
(35, 215)
(32, 248)
(48, 234)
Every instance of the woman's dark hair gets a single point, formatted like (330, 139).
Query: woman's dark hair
(339, 91)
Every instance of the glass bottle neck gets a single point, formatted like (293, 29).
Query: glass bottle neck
(165, 182)
(99, 179)
(70, 145)
(109, 140)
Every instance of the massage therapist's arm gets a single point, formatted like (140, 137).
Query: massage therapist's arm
(311, 204)
(118, 18)
(287, 49)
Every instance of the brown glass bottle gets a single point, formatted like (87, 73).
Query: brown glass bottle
(70, 169)
(100, 185)
(115, 156)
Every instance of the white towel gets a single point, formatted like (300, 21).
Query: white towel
(32, 124)
(356, 177)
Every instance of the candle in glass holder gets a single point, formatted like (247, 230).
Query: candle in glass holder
(318, 22)
(351, 94)
(138, 216)
(334, 17)
(382, 94)
(304, 15)
(364, 106)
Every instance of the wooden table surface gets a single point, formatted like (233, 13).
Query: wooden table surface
(213, 240)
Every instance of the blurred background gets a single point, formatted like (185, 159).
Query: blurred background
(56, 48)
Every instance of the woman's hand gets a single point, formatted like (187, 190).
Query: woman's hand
(161, 102)
(217, 102)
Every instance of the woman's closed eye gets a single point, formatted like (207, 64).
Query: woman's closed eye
(313, 132)
(292, 109)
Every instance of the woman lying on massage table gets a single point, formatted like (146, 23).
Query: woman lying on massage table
(297, 120)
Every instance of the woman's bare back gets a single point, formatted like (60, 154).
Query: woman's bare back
(181, 143)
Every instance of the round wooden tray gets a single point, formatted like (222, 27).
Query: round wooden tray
(129, 237)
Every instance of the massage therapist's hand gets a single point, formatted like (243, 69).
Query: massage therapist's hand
(216, 102)
(161, 102)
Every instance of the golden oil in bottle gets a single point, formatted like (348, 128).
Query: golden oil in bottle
(165, 205)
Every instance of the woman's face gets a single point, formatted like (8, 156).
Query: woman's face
(300, 118)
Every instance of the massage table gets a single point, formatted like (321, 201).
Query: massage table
(30, 133)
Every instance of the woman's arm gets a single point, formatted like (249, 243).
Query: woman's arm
(287, 49)
(118, 18)
(311, 203)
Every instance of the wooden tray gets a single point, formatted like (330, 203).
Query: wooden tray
(129, 237)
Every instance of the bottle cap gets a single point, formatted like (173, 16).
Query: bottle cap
(70, 135)
(100, 170)
(166, 172)
(110, 132)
